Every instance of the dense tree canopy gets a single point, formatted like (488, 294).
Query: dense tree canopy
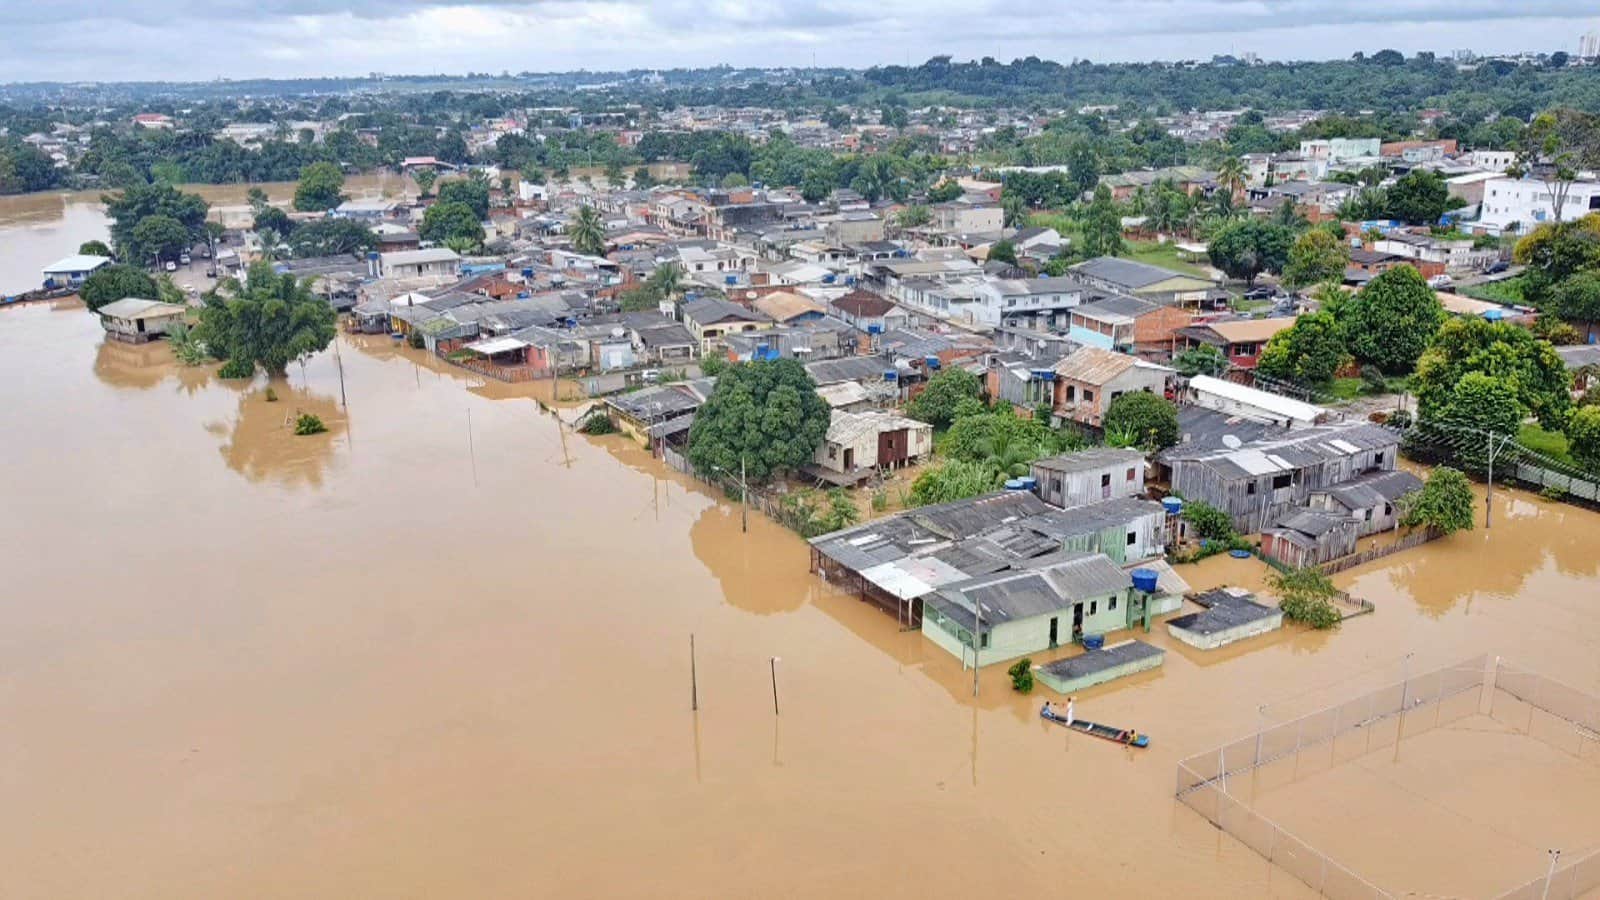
(1246, 248)
(158, 238)
(766, 414)
(140, 202)
(109, 284)
(94, 248)
(1527, 367)
(445, 222)
(1309, 352)
(1316, 256)
(946, 395)
(1445, 502)
(1419, 197)
(319, 187)
(331, 237)
(1391, 321)
(474, 192)
(271, 321)
(1151, 422)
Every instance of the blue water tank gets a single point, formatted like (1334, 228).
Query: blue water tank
(1029, 482)
(829, 278)
(891, 375)
(527, 273)
(874, 329)
(1144, 580)
(731, 279)
(933, 362)
(1094, 641)
(1173, 505)
(1014, 484)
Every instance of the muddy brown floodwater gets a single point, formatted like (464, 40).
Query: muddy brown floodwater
(399, 660)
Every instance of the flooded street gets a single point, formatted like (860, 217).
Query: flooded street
(409, 659)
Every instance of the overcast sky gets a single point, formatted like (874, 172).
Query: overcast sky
(111, 40)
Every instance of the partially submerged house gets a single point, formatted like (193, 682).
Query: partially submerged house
(1227, 614)
(859, 444)
(1372, 499)
(1256, 482)
(1307, 537)
(1089, 476)
(1052, 600)
(136, 321)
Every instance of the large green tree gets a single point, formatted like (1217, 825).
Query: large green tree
(158, 237)
(1150, 421)
(140, 202)
(445, 222)
(1102, 226)
(94, 248)
(1247, 248)
(473, 191)
(319, 187)
(1444, 503)
(765, 414)
(109, 284)
(1315, 257)
(1419, 197)
(1392, 320)
(1528, 367)
(947, 394)
(1308, 352)
(1583, 437)
(331, 237)
(270, 321)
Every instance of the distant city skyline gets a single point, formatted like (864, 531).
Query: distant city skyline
(186, 40)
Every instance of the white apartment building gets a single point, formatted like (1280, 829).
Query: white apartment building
(1528, 203)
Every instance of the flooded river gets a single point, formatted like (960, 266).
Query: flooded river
(38, 229)
(442, 651)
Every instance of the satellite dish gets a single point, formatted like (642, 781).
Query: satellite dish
(1232, 442)
(751, 295)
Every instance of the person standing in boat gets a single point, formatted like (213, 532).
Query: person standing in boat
(1070, 701)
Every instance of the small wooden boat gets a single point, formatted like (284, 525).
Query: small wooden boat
(1125, 736)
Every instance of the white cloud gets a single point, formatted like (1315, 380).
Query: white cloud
(189, 39)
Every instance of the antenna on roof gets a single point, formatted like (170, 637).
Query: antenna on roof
(1231, 441)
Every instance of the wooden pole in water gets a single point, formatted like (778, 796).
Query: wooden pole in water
(694, 679)
(977, 641)
(774, 663)
(744, 501)
(1488, 494)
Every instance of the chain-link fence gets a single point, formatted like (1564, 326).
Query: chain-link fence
(1547, 710)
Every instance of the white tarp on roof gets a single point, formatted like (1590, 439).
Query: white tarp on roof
(897, 581)
(496, 345)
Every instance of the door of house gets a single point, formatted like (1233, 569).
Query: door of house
(1077, 621)
(893, 447)
(1105, 487)
(849, 459)
(1053, 638)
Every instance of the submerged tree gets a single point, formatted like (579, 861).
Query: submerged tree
(765, 416)
(270, 322)
(1444, 503)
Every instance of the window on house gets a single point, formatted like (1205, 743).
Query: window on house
(833, 452)
(1132, 474)
(984, 642)
(1388, 509)
(1369, 515)
(1133, 538)
(1250, 489)
(1279, 482)
(1105, 480)
(1377, 458)
(1112, 603)
(1072, 392)
(1094, 607)
(1088, 395)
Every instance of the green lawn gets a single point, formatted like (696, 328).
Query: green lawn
(1507, 291)
(1346, 388)
(1551, 443)
(1165, 256)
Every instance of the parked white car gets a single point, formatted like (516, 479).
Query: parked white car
(1440, 281)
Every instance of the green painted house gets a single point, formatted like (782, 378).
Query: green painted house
(1047, 602)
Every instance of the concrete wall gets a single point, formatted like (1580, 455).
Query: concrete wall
(1102, 676)
(1026, 636)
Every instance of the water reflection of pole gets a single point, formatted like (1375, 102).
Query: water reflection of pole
(339, 358)
(1549, 876)
(472, 451)
(694, 679)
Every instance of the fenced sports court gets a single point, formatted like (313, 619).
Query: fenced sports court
(1339, 750)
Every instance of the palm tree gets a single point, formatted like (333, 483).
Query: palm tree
(665, 280)
(1222, 205)
(272, 246)
(588, 233)
(1231, 175)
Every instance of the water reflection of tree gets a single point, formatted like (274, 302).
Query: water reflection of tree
(260, 443)
(140, 367)
(1439, 575)
(762, 571)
